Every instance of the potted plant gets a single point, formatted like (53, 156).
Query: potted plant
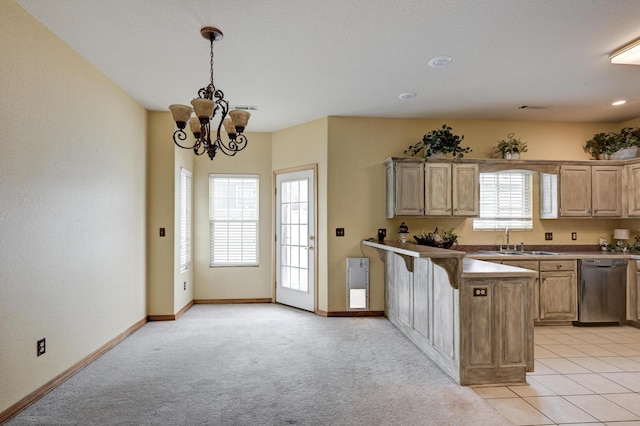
(511, 147)
(441, 239)
(440, 141)
(614, 146)
(626, 144)
(600, 145)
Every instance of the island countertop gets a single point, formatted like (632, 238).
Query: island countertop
(471, 268)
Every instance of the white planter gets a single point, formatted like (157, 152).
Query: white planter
(624, 154)
(511, 156)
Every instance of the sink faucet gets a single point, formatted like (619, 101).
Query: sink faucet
(506, 232)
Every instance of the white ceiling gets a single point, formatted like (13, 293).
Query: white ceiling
(299, 60)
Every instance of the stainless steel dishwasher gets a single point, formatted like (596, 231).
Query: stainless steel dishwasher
(602, 291)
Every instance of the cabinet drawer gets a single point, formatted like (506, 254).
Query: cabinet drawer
(557, 265)
(526, 264)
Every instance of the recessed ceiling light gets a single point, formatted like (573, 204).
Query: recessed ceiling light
(440, 61)
(620, 102)
(407, 95)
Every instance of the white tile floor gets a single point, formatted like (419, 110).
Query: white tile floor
(583, 375)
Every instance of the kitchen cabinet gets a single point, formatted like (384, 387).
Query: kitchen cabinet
(632, 189)
(558, 294)
(416, 188)
(451, 189)
(404, 189)
(590, 191)
(533, 266)
(555, 291)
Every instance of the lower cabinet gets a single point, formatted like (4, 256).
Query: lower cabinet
(555, 292)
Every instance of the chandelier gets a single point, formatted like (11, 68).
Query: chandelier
(210, 104)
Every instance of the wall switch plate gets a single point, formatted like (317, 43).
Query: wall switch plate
(548, 236)
(41, 347)
(574, 236)
(185, 285)
(162, 233)
(339, 232)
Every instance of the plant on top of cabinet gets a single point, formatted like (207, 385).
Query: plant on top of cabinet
(440, 141)
(438, 238)
(511, 147)
(614, 146)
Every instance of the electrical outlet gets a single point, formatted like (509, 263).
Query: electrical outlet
(185, 285)
(574, 236)
(339, 232)
(41, 347)
(162, 232)
(548, 236)
(480, 291)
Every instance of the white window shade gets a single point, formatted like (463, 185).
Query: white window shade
(185, 219)
(505, 201)
(233, 218)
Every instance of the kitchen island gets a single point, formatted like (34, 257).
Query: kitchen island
(472, 318)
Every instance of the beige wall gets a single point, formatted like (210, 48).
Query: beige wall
(357, 149)
(72, 215)
(161, 194)
(304, 145)
(252, 282)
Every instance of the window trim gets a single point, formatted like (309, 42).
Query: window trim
(522, 222)
(256, 221)
(186, 219)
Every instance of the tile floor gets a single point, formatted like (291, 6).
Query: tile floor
(583, 375)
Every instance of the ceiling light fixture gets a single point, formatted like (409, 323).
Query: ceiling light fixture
(620, 102)
(207, 105)
(629, 54)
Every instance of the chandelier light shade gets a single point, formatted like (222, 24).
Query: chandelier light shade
(211, 110)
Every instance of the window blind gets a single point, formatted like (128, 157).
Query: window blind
(233, 218)
(185, 219)
(505, 201)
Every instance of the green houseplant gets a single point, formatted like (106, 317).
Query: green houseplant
(511, 147)
(438, 238)
(615, 146)
(440, 141)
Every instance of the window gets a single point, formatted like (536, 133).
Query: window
(185, 219)
(505, 201)
(233, 219)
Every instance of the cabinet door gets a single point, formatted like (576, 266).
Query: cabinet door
(632, 189)
(606, 182)
(575, 191)
(437, 190)
(409, 189)
(466, 190)
(532, 265)
(558, 296)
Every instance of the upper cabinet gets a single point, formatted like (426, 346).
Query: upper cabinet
(590, 191)
(404, 188)
(416, 188)
(632, 189)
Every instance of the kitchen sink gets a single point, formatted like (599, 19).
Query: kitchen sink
(521, 253)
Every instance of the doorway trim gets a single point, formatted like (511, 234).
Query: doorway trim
(314, 168)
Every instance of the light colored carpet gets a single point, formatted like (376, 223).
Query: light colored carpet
(262, 365)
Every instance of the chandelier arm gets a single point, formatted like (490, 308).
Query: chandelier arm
(234, 146)
(181, 135)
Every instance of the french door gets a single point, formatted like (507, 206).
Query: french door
(295, 239)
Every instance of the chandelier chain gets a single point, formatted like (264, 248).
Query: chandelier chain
(211, 61)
